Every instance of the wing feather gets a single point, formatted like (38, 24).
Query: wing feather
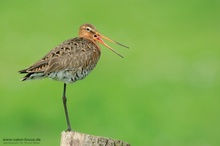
(70, 55)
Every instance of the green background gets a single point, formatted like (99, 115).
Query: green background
(165, 92)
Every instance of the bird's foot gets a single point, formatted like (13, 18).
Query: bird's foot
(68, 130)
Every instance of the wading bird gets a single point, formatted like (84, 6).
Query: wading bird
(72, 60)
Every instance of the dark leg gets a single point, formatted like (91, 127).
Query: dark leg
(65, 108)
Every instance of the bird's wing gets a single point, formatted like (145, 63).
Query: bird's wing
(73, 53)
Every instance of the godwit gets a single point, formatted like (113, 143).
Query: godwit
(72, 60)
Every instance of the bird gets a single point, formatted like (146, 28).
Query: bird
(70, 61)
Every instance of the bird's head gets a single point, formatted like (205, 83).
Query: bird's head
(88, 31)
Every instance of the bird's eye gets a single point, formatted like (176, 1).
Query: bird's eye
(88, 29)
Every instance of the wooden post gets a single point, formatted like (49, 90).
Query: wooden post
(73, 138)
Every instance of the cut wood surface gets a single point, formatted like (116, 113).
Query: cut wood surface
(72, 138)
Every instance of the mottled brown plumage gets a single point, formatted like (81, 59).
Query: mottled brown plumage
(68, 62)
(72, 60)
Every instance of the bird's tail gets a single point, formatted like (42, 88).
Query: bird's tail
(31, 75)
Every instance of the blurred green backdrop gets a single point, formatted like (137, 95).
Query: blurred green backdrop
(165, 92)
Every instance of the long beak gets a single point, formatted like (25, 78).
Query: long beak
(99, 39)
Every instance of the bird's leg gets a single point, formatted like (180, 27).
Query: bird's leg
(65, 108)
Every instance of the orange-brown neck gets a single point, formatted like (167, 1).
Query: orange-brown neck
(94, 42)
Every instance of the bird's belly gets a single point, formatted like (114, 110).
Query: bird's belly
(69, 76)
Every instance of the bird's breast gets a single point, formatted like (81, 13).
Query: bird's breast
(78, 62)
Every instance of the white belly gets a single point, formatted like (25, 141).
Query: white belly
(68, 76)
